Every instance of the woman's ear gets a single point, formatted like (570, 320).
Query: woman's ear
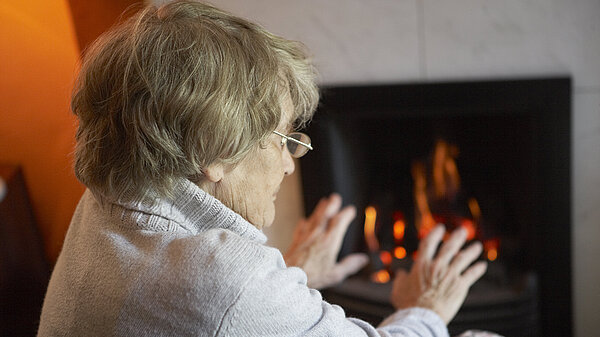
(214, 172)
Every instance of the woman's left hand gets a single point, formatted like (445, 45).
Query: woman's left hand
(317, 242)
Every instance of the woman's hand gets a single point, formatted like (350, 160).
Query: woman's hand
(317, 241)
(441, 283)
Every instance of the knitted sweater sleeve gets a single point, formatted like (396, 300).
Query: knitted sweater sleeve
(275, 301)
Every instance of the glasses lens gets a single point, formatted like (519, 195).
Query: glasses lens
(298, 150)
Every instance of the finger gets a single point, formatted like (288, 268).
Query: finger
(340, 222)
(428, 245)
(451, 247)
(351, 264)
(338, 226)
(463, 259)
(326, 208)
(330, 218)
(474, 273)
(318, 211)
(302, 228)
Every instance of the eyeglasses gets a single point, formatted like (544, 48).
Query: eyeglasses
(297, 143)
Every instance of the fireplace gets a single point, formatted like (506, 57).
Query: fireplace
(490, 156)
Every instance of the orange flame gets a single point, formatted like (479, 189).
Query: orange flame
(381, 276)
(474, 208)
(445, 184)
(370, 218)
(492, 254)
(386, 258)
(446, 180)
(491, 248)
(399, 227)
(469, 225)
(424, 218)
(400, 252)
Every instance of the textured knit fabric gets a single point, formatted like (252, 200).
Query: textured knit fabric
(190, 267)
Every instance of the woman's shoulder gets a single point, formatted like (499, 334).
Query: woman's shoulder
(217, 257)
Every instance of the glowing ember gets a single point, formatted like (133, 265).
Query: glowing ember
(381, 276)
(492, 254)
(370, 218)
(399, 227)
(386, 258)
(400, 253)
(490, 247)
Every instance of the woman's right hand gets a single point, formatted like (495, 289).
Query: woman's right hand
(439, 283)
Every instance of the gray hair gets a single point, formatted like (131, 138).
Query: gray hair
(176, 88)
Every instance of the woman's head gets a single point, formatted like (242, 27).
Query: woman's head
(178, 88)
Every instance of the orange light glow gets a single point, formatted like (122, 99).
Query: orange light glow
(469, 225)
(381, 276)
(386, 258)
(492, 254)
(424, 219)
(370, 219)
(400, 253)
(399, 227)
(491, 247)
(446, 180)
(474, 208)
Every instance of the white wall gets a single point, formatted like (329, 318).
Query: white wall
(355, 41)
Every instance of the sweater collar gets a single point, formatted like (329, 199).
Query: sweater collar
(191, 209)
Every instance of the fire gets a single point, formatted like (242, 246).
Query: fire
(382, 276)
(399, 227)
(400, 252)
(490, 247)
(370, 218)
(424, 219)
(492, 254)
(438, 199)
(386, 258)
(445, 185)
(469, 225)
(446, 180)
(474, 208)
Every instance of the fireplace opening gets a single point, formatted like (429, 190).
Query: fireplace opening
(490, 156)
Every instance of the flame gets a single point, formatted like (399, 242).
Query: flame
(424, 218)
(386, 258)
(399, 227)
(474, 208)
(469, 225)
(381, 276)
(370, 218)
(446, 180)
(492, 254)
(445, 184)
(400, 252)
(490, 247)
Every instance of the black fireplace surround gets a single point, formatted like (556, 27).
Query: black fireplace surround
(514, 140)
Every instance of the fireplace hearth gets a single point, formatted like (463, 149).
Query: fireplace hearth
(490, 156)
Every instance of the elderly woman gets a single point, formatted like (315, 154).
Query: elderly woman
(186, 130)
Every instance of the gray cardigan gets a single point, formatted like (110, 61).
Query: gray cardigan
(190, 267)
